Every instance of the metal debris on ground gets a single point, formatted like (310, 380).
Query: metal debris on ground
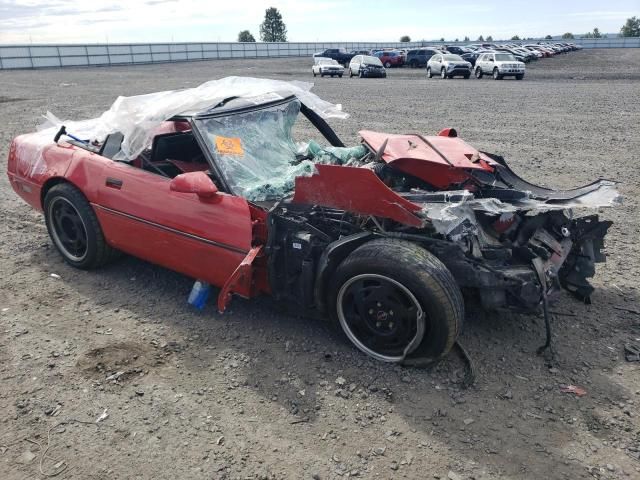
(578, 391)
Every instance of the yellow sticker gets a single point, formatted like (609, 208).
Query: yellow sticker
(229, 146)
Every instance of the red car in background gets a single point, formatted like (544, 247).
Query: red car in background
(391, 58)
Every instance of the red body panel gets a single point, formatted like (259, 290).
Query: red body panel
(441, 161)
(205, 238)
(357, 190)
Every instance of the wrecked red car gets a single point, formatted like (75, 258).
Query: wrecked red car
(383, 236)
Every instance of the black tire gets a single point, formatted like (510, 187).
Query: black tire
(467, 76)
(387, 65)
(67, 211)
(350, 73)
(314, 74)
(360, 73)
(322, 75)
(429, 73)
(478, 72)
(496, 74)
(340, 75)
(417, 279)
(443, 73)
(519, 77)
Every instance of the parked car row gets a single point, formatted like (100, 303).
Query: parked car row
(446, 61)
(418, 57)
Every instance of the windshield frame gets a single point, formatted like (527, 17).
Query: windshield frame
(512, 59)
(200, 134)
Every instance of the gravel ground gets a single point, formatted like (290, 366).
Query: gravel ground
(255, 393)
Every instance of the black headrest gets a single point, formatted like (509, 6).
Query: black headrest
(111, 145)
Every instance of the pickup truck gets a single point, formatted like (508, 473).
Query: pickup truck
(338, 54)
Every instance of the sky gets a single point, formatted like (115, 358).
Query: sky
(120, 21)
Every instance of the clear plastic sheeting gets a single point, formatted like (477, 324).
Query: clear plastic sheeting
(455, 219)
(137, 117)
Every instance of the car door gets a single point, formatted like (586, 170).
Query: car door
(204, 238)
(436, 64)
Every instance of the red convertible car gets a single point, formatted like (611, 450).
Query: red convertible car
(383, 236)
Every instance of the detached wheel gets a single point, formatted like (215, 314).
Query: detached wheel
(429, 73)
(478, 72)
(74, 228)
(395, 300)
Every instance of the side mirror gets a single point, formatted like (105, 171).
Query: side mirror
(194, 182)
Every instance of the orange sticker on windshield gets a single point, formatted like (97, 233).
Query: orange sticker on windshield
(229, 146)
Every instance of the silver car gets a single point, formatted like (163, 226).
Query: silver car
(499, 65)
(366, 66)
(448, 65)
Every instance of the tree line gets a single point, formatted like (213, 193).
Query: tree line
(273, 29)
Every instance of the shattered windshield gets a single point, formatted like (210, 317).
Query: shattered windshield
(256, 152)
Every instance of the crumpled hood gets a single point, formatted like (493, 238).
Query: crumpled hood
(438, 160)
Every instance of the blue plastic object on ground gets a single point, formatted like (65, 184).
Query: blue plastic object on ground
(199, 294)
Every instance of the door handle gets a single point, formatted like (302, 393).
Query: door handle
(113, 183)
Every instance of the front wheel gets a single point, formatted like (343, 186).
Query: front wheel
(395, 300)
(443, 73)
(429, 73)
(314, 74)
(360, 74)
(350, 73)
(519, 77)
(467, 75)
(340, 75)
(478, 72)
(496, 74)
(74, 229)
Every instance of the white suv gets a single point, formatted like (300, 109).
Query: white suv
(499, 65)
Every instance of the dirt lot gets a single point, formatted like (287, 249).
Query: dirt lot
(255, 393)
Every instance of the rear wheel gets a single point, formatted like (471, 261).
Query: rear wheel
(478, 72)
(429, 74)
(350, 73)
(387, 65)
(467, 75)
(74, 229)
(395, 300)
(413, 64)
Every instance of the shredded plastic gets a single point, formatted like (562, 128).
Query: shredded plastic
(456, 218)
(137, 117)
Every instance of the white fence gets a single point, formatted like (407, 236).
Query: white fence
(43, 56)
